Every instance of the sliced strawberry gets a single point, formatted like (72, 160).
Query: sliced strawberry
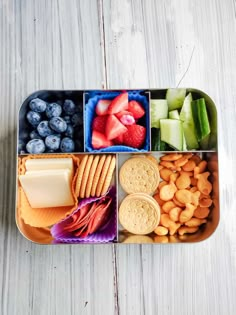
(135, 136)
(99, 123)
(123, 112)
(102, 107)
(119, 103)
(119, 139)
(114, 127)
(99, 141)
(136, 109)
(126, 117)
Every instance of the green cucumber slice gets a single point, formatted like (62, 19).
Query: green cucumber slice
(186, 116)
(155, 139)
(159, 110)
(200, 117)
(175, 98)
(174, 114)
(172, 133)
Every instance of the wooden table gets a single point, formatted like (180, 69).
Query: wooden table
(118, 44)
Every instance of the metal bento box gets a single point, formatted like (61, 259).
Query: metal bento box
(117, 166)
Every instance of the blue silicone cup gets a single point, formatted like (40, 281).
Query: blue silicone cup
(90, 105)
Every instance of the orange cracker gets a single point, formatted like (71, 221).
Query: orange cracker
(80, 175)
(109, 175)
(85, 176)
(91, 176)
(103, 175)
(97, 175)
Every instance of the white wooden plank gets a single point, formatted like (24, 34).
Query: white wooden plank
(185, 43)
(52, 45)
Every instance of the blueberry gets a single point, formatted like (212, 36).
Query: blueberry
(77, 120)
(34, 135)
(69, 107)
(43, 129)
(69, 131)
(58, 124)
(67, 145)
(53, 110)
(21, 145)
(53, 142)
(67, 119)
(35, 146)
(37, 105)
(33, 118)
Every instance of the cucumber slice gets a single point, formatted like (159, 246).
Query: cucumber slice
(159, 110)
(172, 133)
(156, 143)
(200, 118)
(174, 114)
(155, 139)
(175, 98)
(186, 116)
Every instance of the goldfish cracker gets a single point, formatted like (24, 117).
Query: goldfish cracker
(201, 212)
(177, 203)
(167, 206)
(205, 201)
(195, 198)
(174, 214)
(189, 166)
(187, 213)
(183, 181)
(202, 166)
(196, 158)
(203, 185)
(161, 230)
(165, 174)
(195, 222)
(171, 157)
(168, 165)
(167, 192)
(184, 196)
(185, 229)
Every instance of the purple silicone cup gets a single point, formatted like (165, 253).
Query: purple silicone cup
(105, 234)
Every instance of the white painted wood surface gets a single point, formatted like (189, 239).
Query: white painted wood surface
(118, 44)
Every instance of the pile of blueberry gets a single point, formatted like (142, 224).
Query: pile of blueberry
(53, 127)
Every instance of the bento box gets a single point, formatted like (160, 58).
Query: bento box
(117, 166)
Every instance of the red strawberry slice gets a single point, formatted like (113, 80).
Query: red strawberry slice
(99, 123)
(119, 139)
(102, 107)
(114, 127)
(136, 109)
(99, 141)
(135, 136)
(119, 103)
(126, 117)
(123, 112)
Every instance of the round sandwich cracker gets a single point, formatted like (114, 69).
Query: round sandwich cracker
(139, 175)
(139, 214)
(91, 176)
(85, 176)
(80, 174)
(108, 178)
(103, 175)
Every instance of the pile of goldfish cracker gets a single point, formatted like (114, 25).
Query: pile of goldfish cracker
(184, 194)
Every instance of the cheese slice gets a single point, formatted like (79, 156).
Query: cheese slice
(49, 164)
(48, 172)
(46, 189)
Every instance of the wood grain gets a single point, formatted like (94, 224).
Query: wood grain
(167, 44)
(47, 45)
(74, 44)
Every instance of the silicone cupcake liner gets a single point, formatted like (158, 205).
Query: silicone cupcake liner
(93, 99)
(44, 217)
(105, 234)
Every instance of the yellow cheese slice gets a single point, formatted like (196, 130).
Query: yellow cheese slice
(49, 164)
(48, 188)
